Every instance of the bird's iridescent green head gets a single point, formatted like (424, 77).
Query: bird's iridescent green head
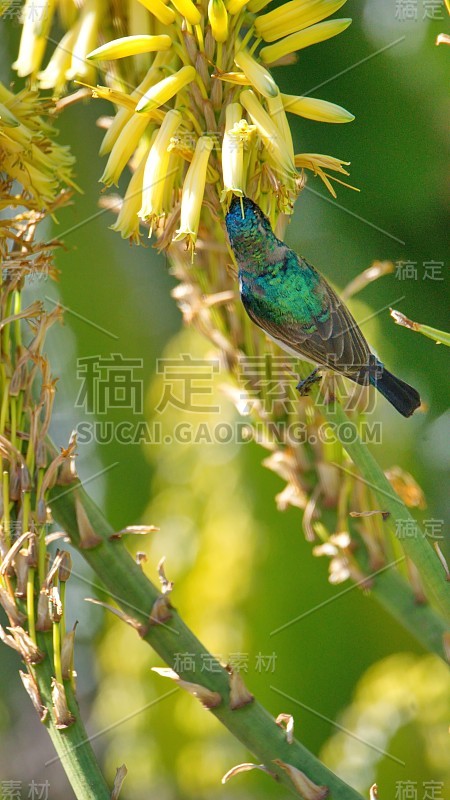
(248, 228)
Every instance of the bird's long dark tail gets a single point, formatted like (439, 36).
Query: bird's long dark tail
(400, 394)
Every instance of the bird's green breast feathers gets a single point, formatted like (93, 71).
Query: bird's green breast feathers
(290, 291)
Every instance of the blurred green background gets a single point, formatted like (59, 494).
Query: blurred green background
(242, 568)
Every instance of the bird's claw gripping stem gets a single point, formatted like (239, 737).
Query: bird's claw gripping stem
(305, 385)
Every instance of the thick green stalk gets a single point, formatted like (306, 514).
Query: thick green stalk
(415, 547)
(135, 594)
(394, 593)
(72, 744)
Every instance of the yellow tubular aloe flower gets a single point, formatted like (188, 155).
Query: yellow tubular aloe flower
(28, 155)
(40, 186)
(293, 17)
(173, 172)
(124, 114)
(182, 150)
(258, 76)
(162, 13)
(7, 97)
(130, 46)
(12, 144)
(187, 9)
(37, 21)
(54, 75)
(67, 12)
(85, 42)
(41, 160)
(278, 115)
(233, 77)
(235, 6)
(283, 12)
(124, 100)
(190, 50)
(247, 133)
(298, 41)
(114, 96)
(233, 154)
(269, 133)
(218, 17)
(7, 118)
(127, 222)
(193, 190)
(156, 169)
(163, 91)
(318, 110)
(124, 148)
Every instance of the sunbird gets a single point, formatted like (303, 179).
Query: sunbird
(298, 309)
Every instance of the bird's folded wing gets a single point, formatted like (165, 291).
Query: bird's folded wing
(334, 341)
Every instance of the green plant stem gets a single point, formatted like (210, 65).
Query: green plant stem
(395, 595)
(135, 595)
(72, 744)
(30, 603)
(440, 337)
(57, 652)
(415, 547)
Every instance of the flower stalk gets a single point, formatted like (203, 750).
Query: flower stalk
(416, 547)
(34, 599)
(135, 594)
